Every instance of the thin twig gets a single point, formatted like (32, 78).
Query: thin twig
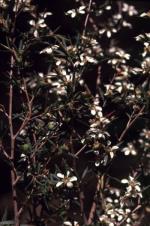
(93, 207)
(29, 113)
(79, 151)
(81, 198)
(87, 17)
(13, 173)
(133, 211)
(130, 123)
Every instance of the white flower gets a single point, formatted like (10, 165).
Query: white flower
(93, 112)
(129, 150)
(108, 199)
(104, 218)
(91, 60)
(97, 163)
(35, 33)
(119, 88)
(68, 223)
(87, 59)
(146, 65)
(41, 75)
(32, 22)
(126, 24)
(112, 151)
(111, 224)
(136, 70)
(122, 54)
(73, 13)
(139, 37)
(23, 132)
(109, 89)
(108, 33)
(146, 49)
(3, 4)
(23, 157)
(146, 134)
(128, 220)
(130, 9)
(66, 180)
(102, 31)
(133, 187)
(108, 7)
(120, 217)
(39, 23)
(124, 181)
(147, 35)
(47, 14)
(145, 14)
(97, 110)
(47, 50)
(81, 10)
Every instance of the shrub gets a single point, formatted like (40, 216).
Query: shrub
(74, 109)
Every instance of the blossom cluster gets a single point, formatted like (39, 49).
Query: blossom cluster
(80, 133)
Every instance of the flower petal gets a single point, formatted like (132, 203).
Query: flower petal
(74, 178)
(93, 112)
(127, 152)
(59, 184)
(114, 148)
(111, 154)
(133, 152)
(68, 173)
(60, 175)
(124, 181)
(67, 223)
(69, 184)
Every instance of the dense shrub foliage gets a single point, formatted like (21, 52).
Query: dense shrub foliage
(74, 113)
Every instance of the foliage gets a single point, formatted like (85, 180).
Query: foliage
(77, 153)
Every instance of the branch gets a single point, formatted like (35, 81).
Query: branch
(81, 198)
(132, 119)
(87, 18)
(93, 207)
(133, 211)
(12, 140)
(80, 150)
(29, 113)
